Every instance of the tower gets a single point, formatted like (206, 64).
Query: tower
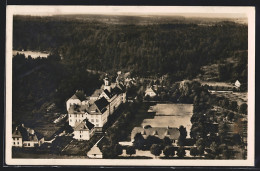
(107, 84)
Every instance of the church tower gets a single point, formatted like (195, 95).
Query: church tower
(107, 84)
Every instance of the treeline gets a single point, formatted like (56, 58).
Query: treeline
(237, 70)
(39, 82)
(179, 49)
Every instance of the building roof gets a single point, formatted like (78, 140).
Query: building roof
(17, 134)
(237, 83)
(27, 134)
(97, 93)
(84, 126)
(79, 94)
(160, 132)
(101, 104)
(116, 90)
(74, 97)
(149, 90)
(94, 150)
(98, 107)
(108, 93)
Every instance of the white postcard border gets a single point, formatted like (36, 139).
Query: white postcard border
(46, 10)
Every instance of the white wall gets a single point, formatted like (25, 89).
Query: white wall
(29, 144)
(71, 102)
(83, 135)
(73, 118)
(95, 156)
(17, 142)
(98, 120)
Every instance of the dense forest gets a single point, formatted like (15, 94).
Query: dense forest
(178, 49)
(40, 82)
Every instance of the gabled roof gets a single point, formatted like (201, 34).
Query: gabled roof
(94, 150)
(116, 90)
(121, 86)
(237, 83)
(109, 95)
(150, 90)
(27, 136)
(160, 132)
(84, 126)
(79, 95)
(101, 104)
(17, 134)
(98, 107)
(38, 135)
(74, 97)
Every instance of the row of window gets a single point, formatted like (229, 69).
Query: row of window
(76, 120)
(16, 143)
(27, 144)
(77, 115)
(93, 120)
(15, 138)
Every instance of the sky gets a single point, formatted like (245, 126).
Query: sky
(208, 12)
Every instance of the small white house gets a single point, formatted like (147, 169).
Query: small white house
(84, 130)
(26, 137)
(95, 153)
(150, 92)
(237, 84)
(17, 138)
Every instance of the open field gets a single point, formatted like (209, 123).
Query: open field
(172, 115)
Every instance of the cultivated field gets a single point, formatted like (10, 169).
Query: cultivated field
(172, 115)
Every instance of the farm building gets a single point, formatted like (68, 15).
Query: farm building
(160, 132)
(150, 92)
(95, 152)
(27, 136)
(84, 130)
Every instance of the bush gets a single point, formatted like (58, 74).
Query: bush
(169, 151)
(156, 149)
(194, 151)
(181, 152)
(130, 150)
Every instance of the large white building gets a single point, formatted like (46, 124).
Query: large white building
(96, 108)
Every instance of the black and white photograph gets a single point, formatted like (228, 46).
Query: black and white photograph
(130, 85)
